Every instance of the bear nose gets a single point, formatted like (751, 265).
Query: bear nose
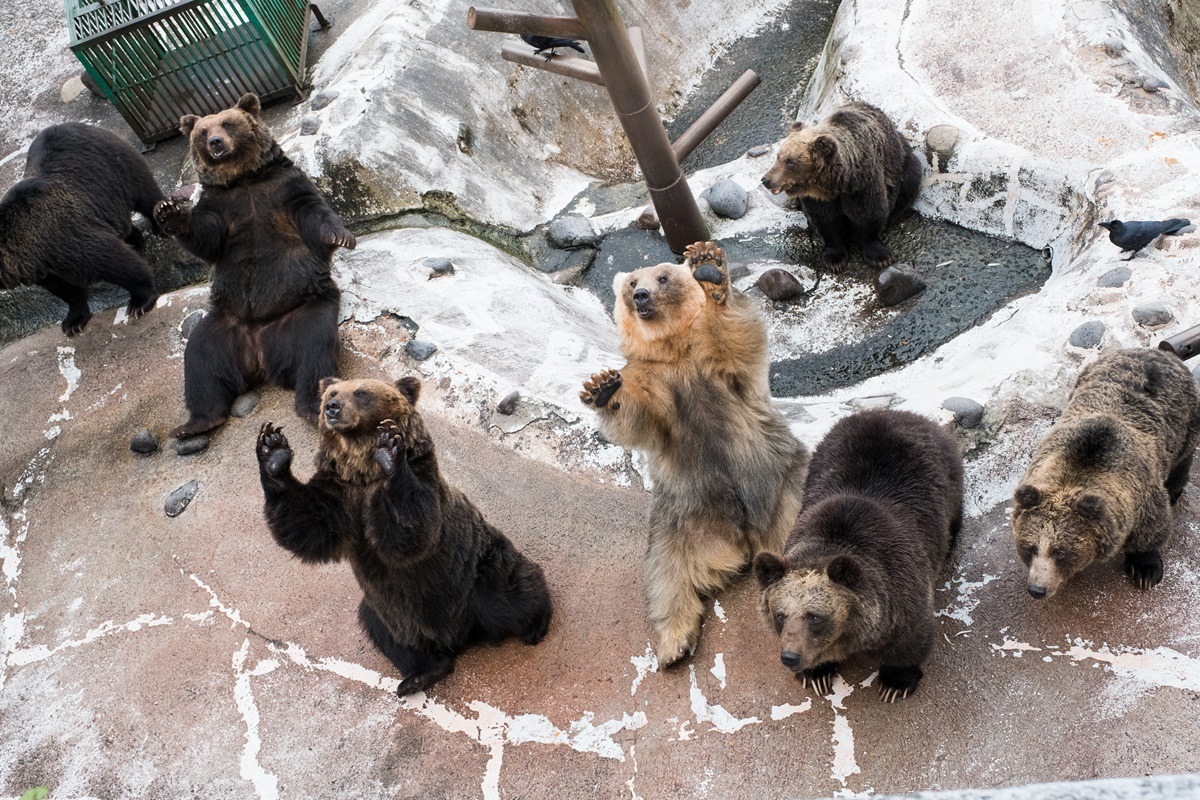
(333, 408)
(790, 660)
(641, 297)
(766, 181)
(1036, 592)
(216, 143)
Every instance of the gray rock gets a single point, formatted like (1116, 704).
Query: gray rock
(1186, 229)
(438, 267)
(1151, 315)
(966, 411)
(1114, 46)
(779, 285)
(509, 403)
(727, 199)
(186, 447)
(872, 402)
(570, 269)
(309, 125)
(322, 99)
(737, 272)
(648, 220)
(1104, 178)
(940, 142)
(1087, 335)
(758, 150)
(465, 140)
(570, 231)
(143, 442)
(1114, 278)
(179, 499)
(189, 323)
(245, 404)
(894, 285)
(418, 350)
(1152, 85)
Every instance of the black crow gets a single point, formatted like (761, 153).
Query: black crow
(1133, 236)
(541, 43)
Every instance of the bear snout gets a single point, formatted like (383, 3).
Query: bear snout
(790, 660)
(216, 146)
(1037, 592)
(333, 410)
(644, 303)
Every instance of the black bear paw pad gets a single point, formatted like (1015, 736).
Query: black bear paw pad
(389, 446)
(272, 449)
(599, 390)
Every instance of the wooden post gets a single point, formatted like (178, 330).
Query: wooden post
(1184, 344)
(561, 64)
(715, 114)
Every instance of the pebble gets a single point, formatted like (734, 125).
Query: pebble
(1087, 335)
(1152, 85)
(648, 220)
(179, 499)
(779, 285)
(185, 447)
(465, 140)
(570, 231)
(893, 286)
(309, 125)
(941, 141)
(1114, 46)
(509, 403)
(966, 411)
(143, 442)
(419, 350)
(727, 199)
(72, 89)
(439, 267)
(189, 323)
(245, 404)
(570, 269)
(1114, 278)
(1151, 315)
(758, 150)
(1186, 229)
(322, 99)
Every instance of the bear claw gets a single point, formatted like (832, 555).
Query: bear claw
(170, 216)
(820, 680)
(340, 238)
(274, 454)
(137, 310)
(1144, 569)
(389, 446)
(890, 694)
(599, 390)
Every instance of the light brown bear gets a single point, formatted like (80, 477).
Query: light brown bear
(851, 172)
(1105, 477)
(728, 475)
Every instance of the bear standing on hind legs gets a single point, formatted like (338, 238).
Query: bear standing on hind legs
(436, 577)
(270, 238)
(728, 474)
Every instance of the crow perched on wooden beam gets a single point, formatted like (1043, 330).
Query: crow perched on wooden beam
(1133, 236)
(551, 43)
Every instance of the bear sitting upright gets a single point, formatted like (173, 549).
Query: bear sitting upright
(67, 224)
(1105, 477)
(694, 396)
(882, 508)
(851, 172)
(435, 575)
(270, 238)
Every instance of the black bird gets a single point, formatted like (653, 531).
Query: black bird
(1133, 236)
(542, 43)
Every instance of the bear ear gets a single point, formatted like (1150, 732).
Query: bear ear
(825, 147)
(326, 383)
(769, 568)
(796, 126)
(845, 571)
(186, 123)
(1091, 506)
(1027, 495)
(410, 387)
(250, 104)
(619, 281)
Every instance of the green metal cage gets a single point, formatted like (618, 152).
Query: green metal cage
(157, 60)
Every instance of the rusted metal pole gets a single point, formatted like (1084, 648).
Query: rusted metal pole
(561, 64)
(1185, 344)
(499, 20)
(639, 49)
(715, 114)
(630, 94)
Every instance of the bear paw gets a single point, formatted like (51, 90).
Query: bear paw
(819, 678)
(878, 255)
(1144, 569)
(706, 260)
(339, 237)
(897, 683)
(674, 646)
(170, 216)
(834, 259)
(537, 629)
(141, 306)
(76, 320)
(421, 681)
(274, 454)
(389, 448)
(599, 390)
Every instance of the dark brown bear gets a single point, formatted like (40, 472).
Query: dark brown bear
(436, 577)
(270, 238)
(882, 508)
(67, 224)
(1104, 479)
(851, 172)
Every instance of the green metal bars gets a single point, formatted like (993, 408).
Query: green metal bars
(157, 60)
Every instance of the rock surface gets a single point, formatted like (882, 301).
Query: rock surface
(570, 231)
(1114, 278)
(727, 199)
(779, 285)
(896, 284)
(966, 411)
(178, 500)
(245, 404)
(1088, 335)
(1152, 315)
(144, 442)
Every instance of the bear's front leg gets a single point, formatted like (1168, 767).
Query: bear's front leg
(1144, 569)
(598, 391)
(390, 450)
(707, 262)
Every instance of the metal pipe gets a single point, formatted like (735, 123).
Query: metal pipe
(630, 94)
(639, 49)
(561, 64)
(1184, 344)
(499, 20)
(715, 114)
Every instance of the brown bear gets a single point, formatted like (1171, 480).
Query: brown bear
(882, 509)
(67, 224)
(851, 172)
(727, 473)
(436, 577)
(1105, 477)
(270, 238)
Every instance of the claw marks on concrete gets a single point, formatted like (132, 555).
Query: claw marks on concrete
(266, 785)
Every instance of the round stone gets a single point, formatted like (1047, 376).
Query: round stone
(309, 125)
(418, 350)
(942, 138)
(727, 199)
(648, 220)
(194, 444)
(179, 499)
(143, 442)
(72, 89)
(1114, 46)
(189, 323)
(570, 231)
(758, 150)
(245, 404)
(779, 285)
(1151, 315)
(1114, 278)
(895, 285)
(322, 99)
(966, 411)
(438, 266)
(1152, 85)
(509, 403)
(1087, 335)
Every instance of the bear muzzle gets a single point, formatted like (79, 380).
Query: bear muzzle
(217, 148)
(644, 303)
(791, 660)
(1044, 578)
(773, 186)
(333, 411)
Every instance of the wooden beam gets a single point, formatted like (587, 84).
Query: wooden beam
(715, 114)
(561, 64)
(498, 20)
(639, 50)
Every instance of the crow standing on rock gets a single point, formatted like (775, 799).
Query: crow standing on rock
(551, 43)
(1133, 236)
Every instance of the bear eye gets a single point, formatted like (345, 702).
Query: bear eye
(791, 162)
(816, 622)
(1028, 551)
(633, 283)
(779, 618)
(204, 131)
(662, 279)
(360, 392)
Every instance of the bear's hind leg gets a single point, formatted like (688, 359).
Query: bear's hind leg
(510, 597)
(300, 349)
(1177, 481)
(212, 377)
(76, 298)
(419, 668)
(117, 262)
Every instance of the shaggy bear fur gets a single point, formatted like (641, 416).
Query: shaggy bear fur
(1105, 477)
(728, 475)
(882, 508)
(270, 238)
(67, 224)
(436, 577)
(851, 172)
